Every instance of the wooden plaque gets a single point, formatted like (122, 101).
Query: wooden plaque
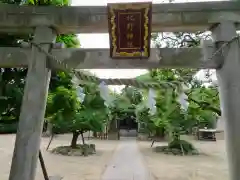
(130, 30)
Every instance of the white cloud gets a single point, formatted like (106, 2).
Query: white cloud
(118, 73)
(94, 40)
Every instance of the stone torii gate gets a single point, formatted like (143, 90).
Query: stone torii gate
(222, 18)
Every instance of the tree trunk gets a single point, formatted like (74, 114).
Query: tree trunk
(83, 140)
(94, 134)
(74, 139)
(49, 129)
(160, 132)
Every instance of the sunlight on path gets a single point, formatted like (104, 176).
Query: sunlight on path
(127, 163)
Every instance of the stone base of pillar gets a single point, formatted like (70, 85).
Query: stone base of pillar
(113, 136)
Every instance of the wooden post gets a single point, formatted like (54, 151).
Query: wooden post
(228, 79)
(25, 156)
(44, 169)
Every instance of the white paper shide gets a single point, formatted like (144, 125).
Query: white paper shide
(104, 93)
(151, 102)
(182, 99)
(80, 94)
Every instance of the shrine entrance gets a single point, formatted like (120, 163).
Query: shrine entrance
(128, 127)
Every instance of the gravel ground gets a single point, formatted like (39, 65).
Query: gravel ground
(71, 168)
(211, 164)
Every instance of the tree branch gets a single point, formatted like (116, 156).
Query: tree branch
(206, 106)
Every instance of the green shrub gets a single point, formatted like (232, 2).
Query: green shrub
(178, 147)
(8, 128)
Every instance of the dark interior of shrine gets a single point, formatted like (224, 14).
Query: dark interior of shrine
(128, 123)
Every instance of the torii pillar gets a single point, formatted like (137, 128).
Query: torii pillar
(30, 126)
(229, 87)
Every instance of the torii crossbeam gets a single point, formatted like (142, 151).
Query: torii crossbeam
(99, 58)
(167, 17)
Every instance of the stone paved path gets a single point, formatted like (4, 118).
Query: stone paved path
(127, 163)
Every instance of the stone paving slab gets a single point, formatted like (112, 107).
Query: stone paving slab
(127, 163)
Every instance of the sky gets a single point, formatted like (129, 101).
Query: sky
(102, 41)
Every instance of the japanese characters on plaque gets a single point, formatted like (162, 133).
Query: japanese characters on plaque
(130, 30)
